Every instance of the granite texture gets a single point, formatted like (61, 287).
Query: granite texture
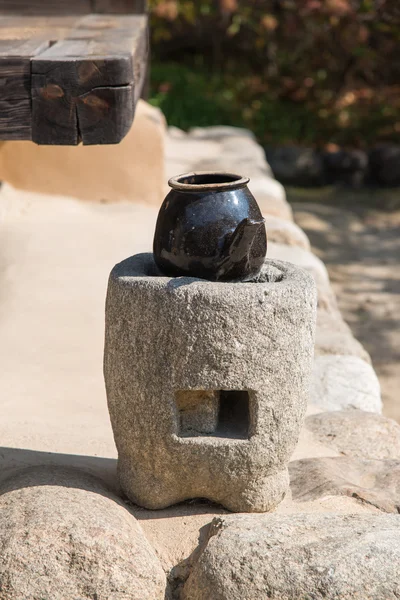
(341, 382)
(282, 231)
(299, 557)
(375, 483)
(357, 433)
(64, 535)
(334, 336)
(301, 258)
(173, 339)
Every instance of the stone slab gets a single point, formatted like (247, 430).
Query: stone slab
(282, 231)
(356, 433)
(341, 382)
(372, 482)
(334, 336)
(323, 557)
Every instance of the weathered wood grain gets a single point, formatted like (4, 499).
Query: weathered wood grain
(120, 6)
(20, 27)
(45, 7)
(15, 119)
(71, 7)
(105, 114)
(20, 40)
(101, 52)
(15, 84)
(66, 79)
(15, 66)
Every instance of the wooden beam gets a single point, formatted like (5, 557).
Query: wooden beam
(120, 6)
(45, 7)
(105, 114)
(64, 80)
(15, 86)
(71, 78)
(71, 7)
(51, 27)
(15, 119)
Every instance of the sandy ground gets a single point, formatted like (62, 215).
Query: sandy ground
(361, 249)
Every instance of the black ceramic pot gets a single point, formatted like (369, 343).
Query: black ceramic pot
(210, 226)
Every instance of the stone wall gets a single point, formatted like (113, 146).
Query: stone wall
(68, 532)
(348, 458)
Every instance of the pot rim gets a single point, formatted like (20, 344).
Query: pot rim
(233, 182)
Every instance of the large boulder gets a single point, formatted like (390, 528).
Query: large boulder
(310, 262)
(237, 154)
(282, 231)
(271, 197)
(183, 153)
(296, 165)
(220, 132)
(334, 336)
(229, 149)
(356, 433)
(346, 166)
(345, 382)
(298, 557)
(63, 534)
(372, 482)
(385, 164)
(302, 258)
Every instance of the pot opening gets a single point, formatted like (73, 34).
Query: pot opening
(193, 182)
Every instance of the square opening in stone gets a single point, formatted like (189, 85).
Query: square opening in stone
(234, 414)
(219, 413)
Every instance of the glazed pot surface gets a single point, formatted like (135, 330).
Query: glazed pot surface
(210, 226)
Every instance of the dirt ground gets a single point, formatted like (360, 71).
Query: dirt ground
(361, 249)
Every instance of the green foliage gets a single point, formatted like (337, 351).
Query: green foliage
(189, 96)
(312, 71)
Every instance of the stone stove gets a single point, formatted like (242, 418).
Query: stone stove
(207, 382)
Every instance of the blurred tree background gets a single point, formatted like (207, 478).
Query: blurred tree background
(313, 72)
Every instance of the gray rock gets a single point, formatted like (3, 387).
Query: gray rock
(282, 231)
(176, 133)
(64, 535)
(372, 482)
(299, 557)
(302, 258)
(171, 346)
(221, 149)
(357, 433)
(346, 166)
(385, 164)
(341, 382)
(237, 155)
(182, 153)
(327, 299)
(334, 336)
(271, 197)
(220, 132)
(274, 206)
(295, 165)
